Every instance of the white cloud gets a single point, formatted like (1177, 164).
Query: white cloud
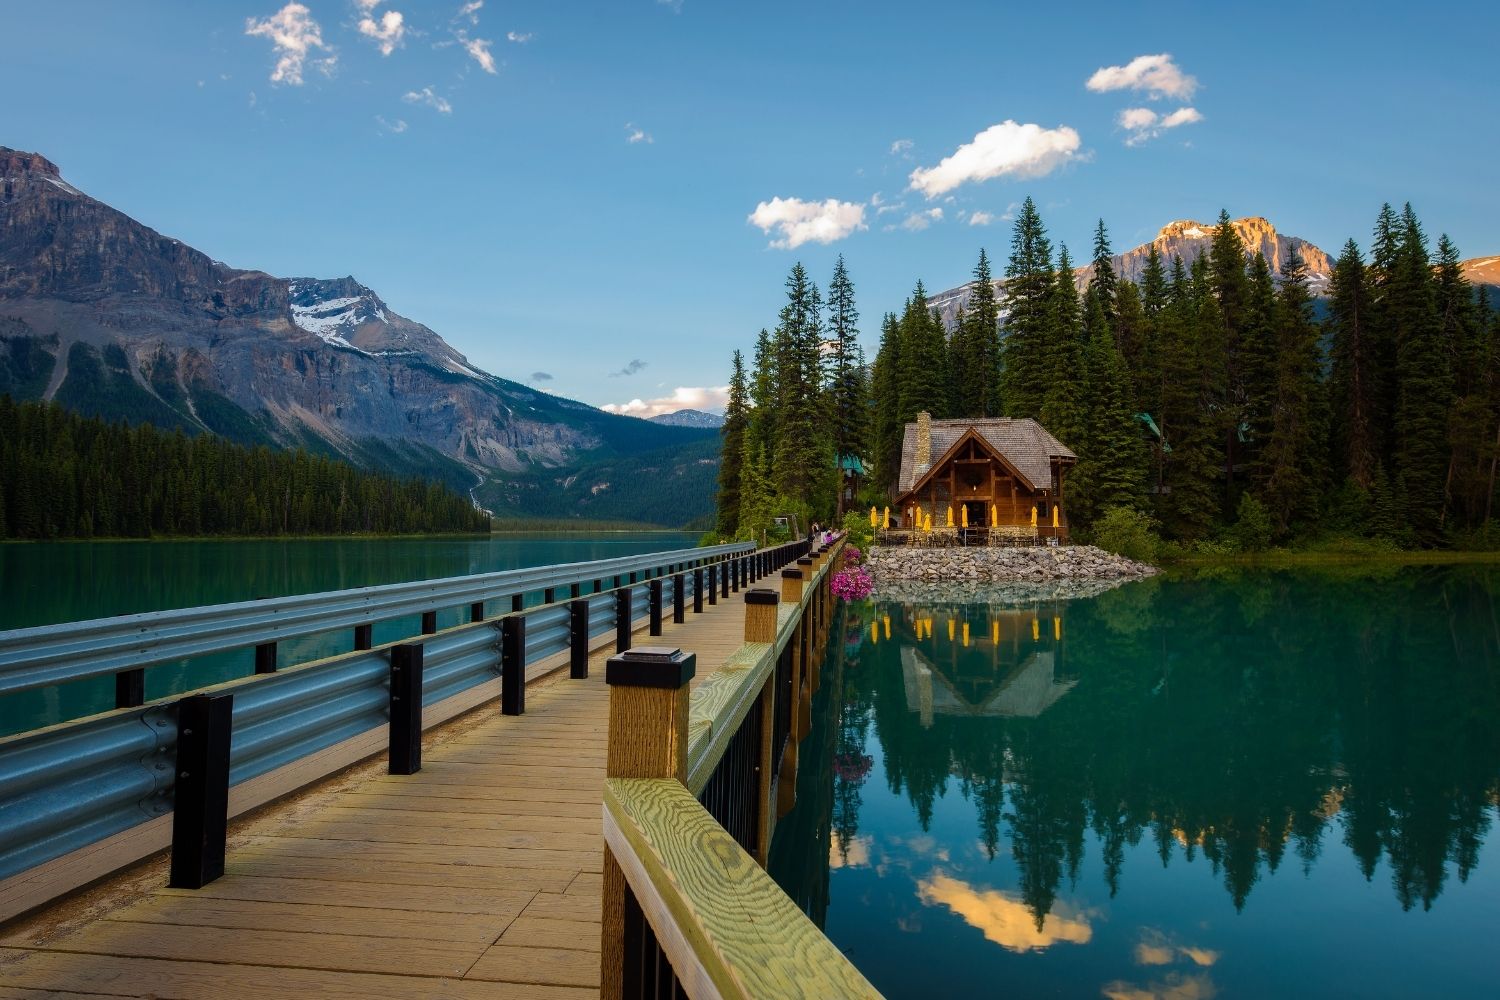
(917, 221)
(635, 134)
(1007, 149)
(981, 218)
(1143, 124)
(367, 5)
(430, 98)
(1157, 75)
(470, 11)
(711, 399)
(520, 37)
(387, 32)
(295, 36)
(902, 148)
(479, 50)
(676, 5)
(883, 209)
(397, 126)
(801, 222)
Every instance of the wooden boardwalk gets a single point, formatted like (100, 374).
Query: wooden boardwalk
(479, 877)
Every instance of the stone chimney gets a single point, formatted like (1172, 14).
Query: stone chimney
(924, 443)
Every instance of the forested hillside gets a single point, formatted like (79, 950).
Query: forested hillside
(1208, 403)
(67, 476)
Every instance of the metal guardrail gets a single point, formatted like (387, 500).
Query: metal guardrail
(57, 654)
(74, 784)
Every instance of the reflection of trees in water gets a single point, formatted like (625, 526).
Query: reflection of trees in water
(1232, 718)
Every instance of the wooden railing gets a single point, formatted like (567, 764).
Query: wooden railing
(695, 785)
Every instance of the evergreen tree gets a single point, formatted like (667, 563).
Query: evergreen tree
(1294, 455)
(762, 431)
(1064, 411)
(886, 388)
(732, 460)
(1110, 471)
(1424, 383)
(924, 360)
(976, 349)
(849, 402)
(802, 464)
(1103, 282)
(1226, 277)
(1029, 288)
(1187, 499)
(1258, 360)
(1355, 382)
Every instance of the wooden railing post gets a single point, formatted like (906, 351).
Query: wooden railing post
(648, 717)
(200, 809)
(760, 626)
(791, 585)
(791, 593)
(513, 665)
(405, 742)
(578, 639)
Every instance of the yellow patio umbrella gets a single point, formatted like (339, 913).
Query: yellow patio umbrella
(995, 631)
(994, 514)
(1033, 517)
(927, 523)
(1054, 515)
(950, 515)
(1036, 630)
(964, 514)
(874, 518)
(887, 518)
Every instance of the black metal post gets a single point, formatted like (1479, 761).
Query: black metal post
(517, 602)
(200, 811)
(679, 598)
(655, 601)
(574, 590)
(726, 570)
(549, 595)
(513, 665)
(406, 709)
(476, 611)
(265, 658)
(713, 583)
(698, 591)
(429, 622)
(363, 634)
(578, 639)
(130, 688)
(622, 619)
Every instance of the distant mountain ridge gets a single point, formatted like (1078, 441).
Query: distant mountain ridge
(110, 317)
(1189, 239)
(689, 418)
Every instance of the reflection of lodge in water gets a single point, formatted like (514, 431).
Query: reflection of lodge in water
(996, 662)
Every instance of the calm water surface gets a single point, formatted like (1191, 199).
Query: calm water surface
(43, 583)
(1254, 784)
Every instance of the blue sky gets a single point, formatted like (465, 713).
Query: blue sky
(474, 164)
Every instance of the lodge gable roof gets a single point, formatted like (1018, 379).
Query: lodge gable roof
(1023, 443)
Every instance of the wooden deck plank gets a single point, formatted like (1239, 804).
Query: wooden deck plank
(485, 866)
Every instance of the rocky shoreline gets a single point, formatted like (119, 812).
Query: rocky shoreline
(897, 569)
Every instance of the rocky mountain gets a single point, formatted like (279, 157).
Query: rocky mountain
(110, 317)
(1484, 271)
(1186, 239)
(689, 418)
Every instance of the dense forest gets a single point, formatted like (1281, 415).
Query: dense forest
(67, 476)
(1209, 403)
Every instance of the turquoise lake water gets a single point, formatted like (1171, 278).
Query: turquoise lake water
(44, 583)
(1241, 784)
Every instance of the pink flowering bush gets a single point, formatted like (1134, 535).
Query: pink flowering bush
(854, 584)
(853, 556)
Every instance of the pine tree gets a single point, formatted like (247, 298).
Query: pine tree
(847, 379)
(1424, 385)
(1258, 359)
(1226, 277)
(762, 430)
(1103, 283)
(1188, 501)
(1472, 414)
(886, 388)
(1294, 454)
(1110, 471)
(1029, 287)
(976, 349)
(1355, 380)
(732, 460)
(924, 360)
(1064, 411)
(802, 453)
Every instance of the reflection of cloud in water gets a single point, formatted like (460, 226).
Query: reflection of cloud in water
(1003, 919)
(1172, 986)
(1157, 948)
(853, 854)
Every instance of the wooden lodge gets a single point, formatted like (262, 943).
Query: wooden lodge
(982, 481)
